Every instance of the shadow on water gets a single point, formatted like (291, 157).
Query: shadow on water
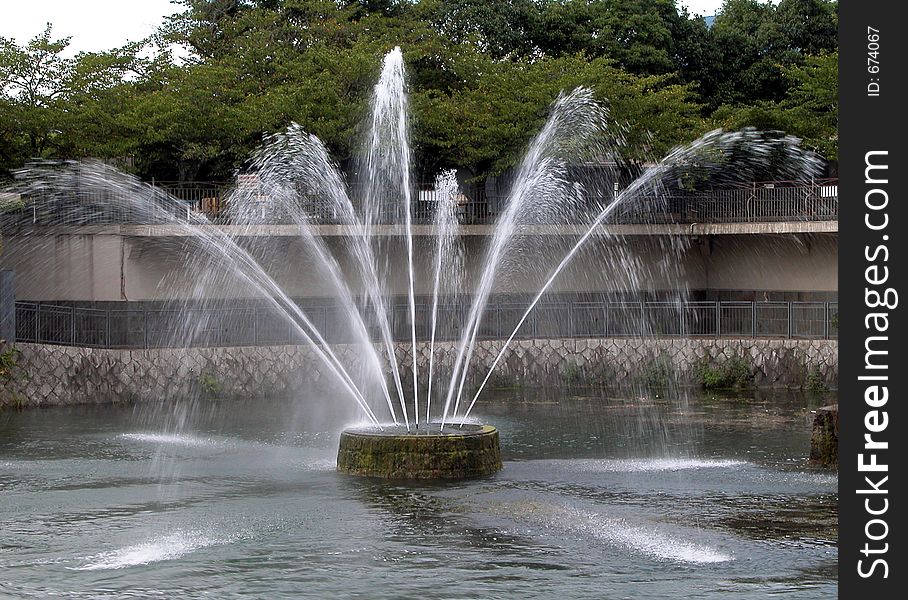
(812, 519)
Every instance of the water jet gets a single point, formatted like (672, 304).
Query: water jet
(562, 180)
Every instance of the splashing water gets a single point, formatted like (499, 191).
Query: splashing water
(577, 128)
(168, 547)
(712, 149)
(292, 177)
(295, 156)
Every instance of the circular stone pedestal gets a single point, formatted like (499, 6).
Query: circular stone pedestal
(427, 453)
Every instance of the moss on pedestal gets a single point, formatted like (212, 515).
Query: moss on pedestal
(456, 453)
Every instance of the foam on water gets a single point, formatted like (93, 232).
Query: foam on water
(648, 541)
(325, 464)
(818, 478)
(168, 547)
(173, 438)
(647, 465)
(641, 538)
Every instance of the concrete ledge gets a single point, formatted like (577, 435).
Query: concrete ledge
(664, 229)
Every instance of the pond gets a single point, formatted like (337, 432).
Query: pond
(600, 497)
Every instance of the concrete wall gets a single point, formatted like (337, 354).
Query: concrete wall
(54, 375)
(772, 262)
(114, 267)
(61, 267)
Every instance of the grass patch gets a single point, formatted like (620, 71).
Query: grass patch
(814, 383)
(658, 373)
(499, 380)
(10, 371)
(573, 375)
(209, 384)
(734, 374)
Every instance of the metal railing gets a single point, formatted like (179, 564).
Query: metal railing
(756, 202)
(262, 326)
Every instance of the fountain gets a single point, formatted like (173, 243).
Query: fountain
(385, 461)
(405, 434)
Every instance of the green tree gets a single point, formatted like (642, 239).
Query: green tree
(809, 27)
(32, 84)
(810, 109)
(54, 106)
(748, 43)
(484, 126)
(481, 74)
(100, 87)
(497, 29)
(637, 34)
(753, 42)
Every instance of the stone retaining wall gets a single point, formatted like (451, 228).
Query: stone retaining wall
(54, 375)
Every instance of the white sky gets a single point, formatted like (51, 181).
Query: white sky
(96, 25)
(701, 7)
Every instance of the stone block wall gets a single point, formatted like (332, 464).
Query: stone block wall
(56, 375)
(7, 306)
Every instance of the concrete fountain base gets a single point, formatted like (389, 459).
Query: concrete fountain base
(427, 453)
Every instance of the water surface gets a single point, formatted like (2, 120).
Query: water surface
(600, 497)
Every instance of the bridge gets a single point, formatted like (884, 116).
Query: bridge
(760, 242)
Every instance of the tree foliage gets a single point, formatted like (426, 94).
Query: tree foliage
(809, 109)
(754, 42)
(482, 75)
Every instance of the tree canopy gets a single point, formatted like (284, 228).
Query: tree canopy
(482, 76)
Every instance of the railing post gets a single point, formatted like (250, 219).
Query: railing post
(497, 318)
(752, 205)
(753, 318)
(806, 199)
(680, 319)
(72, 325)
(571, 319)
(605, 322)
(826, 320)
(718, 319)
(145, 328)
(790, 315)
